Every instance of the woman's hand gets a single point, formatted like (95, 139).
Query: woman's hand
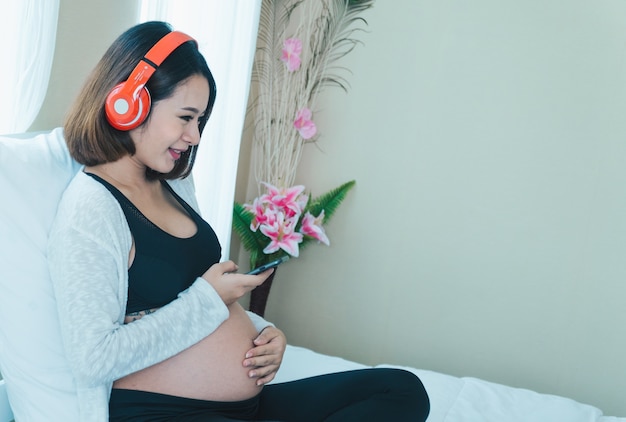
(231, 285)
(266, 355)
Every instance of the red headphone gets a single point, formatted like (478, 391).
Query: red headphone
(128, 104)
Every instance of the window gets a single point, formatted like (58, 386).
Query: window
(226, 34)
(28, 32)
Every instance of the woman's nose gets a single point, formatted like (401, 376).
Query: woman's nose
(192, 134)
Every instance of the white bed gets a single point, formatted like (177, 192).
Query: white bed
(33, 173)
(454, 399)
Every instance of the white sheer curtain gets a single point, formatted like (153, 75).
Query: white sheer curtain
(226, 32)
(28, 34)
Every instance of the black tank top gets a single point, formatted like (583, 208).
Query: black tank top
(164, 265)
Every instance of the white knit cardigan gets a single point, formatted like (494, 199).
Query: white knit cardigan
(88, 255)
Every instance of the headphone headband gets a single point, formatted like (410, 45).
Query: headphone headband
(128, 104)
(166, 45)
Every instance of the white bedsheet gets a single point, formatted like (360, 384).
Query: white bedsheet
(456, 399)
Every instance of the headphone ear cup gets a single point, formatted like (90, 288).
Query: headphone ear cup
(126, 112)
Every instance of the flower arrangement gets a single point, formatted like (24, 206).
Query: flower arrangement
(284, 221)
(297, 45)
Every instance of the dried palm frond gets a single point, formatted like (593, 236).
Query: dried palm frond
(327, 31)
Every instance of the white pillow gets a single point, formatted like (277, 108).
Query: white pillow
(34, 172)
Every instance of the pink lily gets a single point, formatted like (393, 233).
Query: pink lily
(262, 214)
(304, 124)
(282, 236)
(312, 226)
(289, 199)
(291, 54)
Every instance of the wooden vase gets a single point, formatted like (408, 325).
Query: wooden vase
(258, 296)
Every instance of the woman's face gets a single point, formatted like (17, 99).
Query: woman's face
(172, 127)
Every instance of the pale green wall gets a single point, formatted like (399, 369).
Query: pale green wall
(486, 235)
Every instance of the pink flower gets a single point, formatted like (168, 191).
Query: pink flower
(282, 236)
(304, 124)
(278, 212)
(292, 47)
(262, 214)
(312, 226)
(290, 200)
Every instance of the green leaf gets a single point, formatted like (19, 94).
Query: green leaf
(251, 241)
(330, 201)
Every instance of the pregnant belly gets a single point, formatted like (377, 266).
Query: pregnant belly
(212, 369)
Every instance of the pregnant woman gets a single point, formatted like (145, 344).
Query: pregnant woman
(150, 319)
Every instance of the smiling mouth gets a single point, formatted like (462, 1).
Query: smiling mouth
(175, 153)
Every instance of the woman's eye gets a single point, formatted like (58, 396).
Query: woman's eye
(187, 118)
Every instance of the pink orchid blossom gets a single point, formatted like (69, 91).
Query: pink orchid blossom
(304, 124)
(292, 47)
(312, 226)
(282, 236)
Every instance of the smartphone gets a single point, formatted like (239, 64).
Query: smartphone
(269, 265)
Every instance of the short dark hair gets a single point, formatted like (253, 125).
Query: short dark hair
(90, 138)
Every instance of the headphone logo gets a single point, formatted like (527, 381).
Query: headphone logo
(128, 104)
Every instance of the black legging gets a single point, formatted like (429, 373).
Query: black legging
(361, 395)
